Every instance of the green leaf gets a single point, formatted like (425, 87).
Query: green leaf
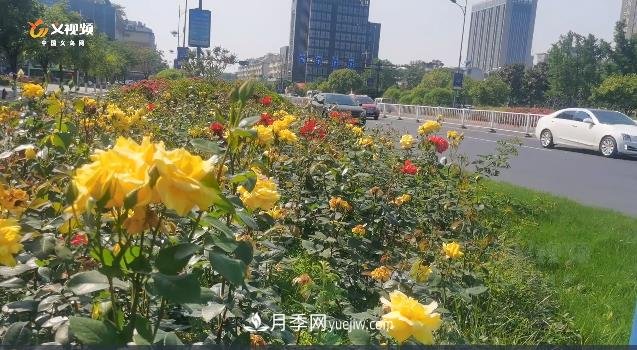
(172, 260)
(218, 225)
(246, 91)
(144, 328)
(247, 219)
(93, 332)
(476, 290)
(206, 146)
(177, 289)
(359, 337)
(249, 122)
(232, 269)
(91, 281)
(211, 311)
(21, 306)
(227, 244)
(245, 252)
(18, 334)
(248, 179)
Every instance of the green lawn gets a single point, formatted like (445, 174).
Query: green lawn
(589, 255)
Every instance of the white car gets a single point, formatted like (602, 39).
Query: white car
(611, 133)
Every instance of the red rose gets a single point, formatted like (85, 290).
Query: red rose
(266, 120)
(409, 168)
(217, 129)
(266, 101)
(439, 142)
(79, 239)
(151, 107)
(312, 130)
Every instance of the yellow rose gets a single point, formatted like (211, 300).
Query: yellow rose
(89, 103)
(452, 250)
(32, 91)
(407, 141)
(409, 318)
(9, 241)
(182, 183)
(366, 141)
(141, 220)
(276, 213)
(359, 230)
(381, 274)
(429, 127)
(400, 200)
(13, 198)
(338, 203)
(30, 153)
(287, 136)
(356, 130)
(265, 135)
(455, 138)
(263, 196)
(420, 272)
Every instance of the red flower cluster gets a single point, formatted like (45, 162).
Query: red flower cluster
(440, 143)
(344, 117)
(266, 119)
(217, 129)
(79, 239)
(409, 168)
(150, 88)
(266, 101)
(151, 107)
(312, 130)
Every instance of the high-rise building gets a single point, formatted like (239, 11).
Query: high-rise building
(326, 35)
(629, 16)
(137, 34)
(501, 34)
(270, 67)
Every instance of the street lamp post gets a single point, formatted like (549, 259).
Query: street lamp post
(463, 9)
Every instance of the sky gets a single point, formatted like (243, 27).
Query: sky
(411, 29)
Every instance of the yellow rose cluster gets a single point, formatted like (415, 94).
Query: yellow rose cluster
(263, 196)
(381, 274)
(455, 138)
(178, 179)
(407, 141)
(339, 204)
(279, 130)
(12, 199)
(408, 318)
(429, 127)
(115, 119)
(359, 230)
(9, 241)
(32, 91)
(452, 250)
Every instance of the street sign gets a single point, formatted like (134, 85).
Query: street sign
(458, 80)
(199, 29)
(182, 53)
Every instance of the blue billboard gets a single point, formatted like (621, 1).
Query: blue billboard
(200, 27)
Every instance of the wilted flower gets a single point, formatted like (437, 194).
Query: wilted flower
(30, 152)
(439, 142)
(381, 274)
(409, 318)
(407, 142)
(455, 138)
(429, 127)
(9, 241)
(420, 272)
(276, 213)
(302, 280)
(359, 230)
(257, 340)
(409, 168)
(452, 250)
(339, 204)
(375, 191)
(12, 198)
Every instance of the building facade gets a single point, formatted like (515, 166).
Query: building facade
(326, 35)
(137, 34)
(501, 34)
(629, 16)
(270, 67)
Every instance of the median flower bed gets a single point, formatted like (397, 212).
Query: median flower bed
(199, 212)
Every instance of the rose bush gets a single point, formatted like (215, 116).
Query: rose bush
(191, 211)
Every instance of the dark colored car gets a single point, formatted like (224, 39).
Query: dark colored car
(369, 105)
(324, 103)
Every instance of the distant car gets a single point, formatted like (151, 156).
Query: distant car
(611, 133)
(384, 100)
(325, 103)
(369, 105)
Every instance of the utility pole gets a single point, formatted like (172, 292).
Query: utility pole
(463, 8)
(199, 48)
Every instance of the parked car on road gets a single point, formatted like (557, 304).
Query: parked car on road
(611, 133)
(369, 105)
(325, 103)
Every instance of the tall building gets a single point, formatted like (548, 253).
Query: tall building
(629, 15)
(326, 35)
(501, 34)
(137, 34)
(270, 67)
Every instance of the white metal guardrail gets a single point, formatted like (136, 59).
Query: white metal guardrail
(523, 123)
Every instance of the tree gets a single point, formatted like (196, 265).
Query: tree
(382, 74)
(412, 74)
(344, 81)
(575, 68)
(490, 92)
(536, 85)
(14, 28)
(437, 78)
(171, 74)
(623, 56)
(513, 75)
(394, 93)
(438, 97)
(211, 64)
(617, 92)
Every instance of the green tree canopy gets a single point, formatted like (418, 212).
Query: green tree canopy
(344, 81)
(490, 92)
(617, 92)
(14, 18)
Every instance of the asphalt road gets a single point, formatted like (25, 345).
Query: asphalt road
(583, 176)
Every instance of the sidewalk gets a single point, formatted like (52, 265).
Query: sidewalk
(89, 91)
